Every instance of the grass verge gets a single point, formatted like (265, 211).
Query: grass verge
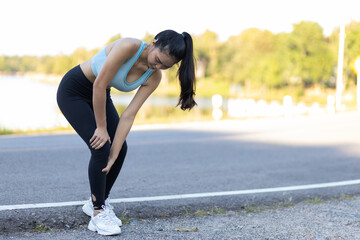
(259, 209)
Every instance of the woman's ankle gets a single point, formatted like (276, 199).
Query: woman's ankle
(97, 211)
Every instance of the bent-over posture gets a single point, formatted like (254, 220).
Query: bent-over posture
(84, 98)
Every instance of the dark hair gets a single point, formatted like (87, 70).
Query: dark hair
(180, 47)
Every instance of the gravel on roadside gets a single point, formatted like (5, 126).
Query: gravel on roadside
(313, 220)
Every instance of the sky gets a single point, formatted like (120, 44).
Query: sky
(51, 27)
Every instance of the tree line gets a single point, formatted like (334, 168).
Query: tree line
(304, 57)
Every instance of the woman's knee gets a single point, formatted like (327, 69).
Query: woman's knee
(101, 153)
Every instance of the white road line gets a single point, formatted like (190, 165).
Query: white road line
(187, 196)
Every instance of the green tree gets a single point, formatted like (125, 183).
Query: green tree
(2, 63)
(46, 64)
(148, 38)
(248, 57)
(28, 63)
(206, 47)
(80, 55)
(62, 63)
(309, 54)
(12, 64)
(352, 49)
(113, 38)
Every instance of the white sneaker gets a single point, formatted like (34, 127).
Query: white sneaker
(112, 213)
(103, 224)
(88, 209)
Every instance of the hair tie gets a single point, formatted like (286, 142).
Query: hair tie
(183, 35)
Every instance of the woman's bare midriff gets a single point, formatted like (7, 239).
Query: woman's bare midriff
(86, 68)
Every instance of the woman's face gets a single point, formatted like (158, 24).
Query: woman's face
(159, 59)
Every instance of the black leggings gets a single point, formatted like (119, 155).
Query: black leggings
(74, 98)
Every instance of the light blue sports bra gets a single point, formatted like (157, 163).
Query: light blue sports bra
(119, 81)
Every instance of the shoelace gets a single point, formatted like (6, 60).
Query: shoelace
(112, 213)
(105, 216)
(107, 203)
(110, 208)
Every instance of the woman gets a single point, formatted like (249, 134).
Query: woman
(84, 98)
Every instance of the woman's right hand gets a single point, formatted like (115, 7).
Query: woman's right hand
(99, 138)
(111, 162)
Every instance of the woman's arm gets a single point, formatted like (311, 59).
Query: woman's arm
(128, 116)
(119, 54)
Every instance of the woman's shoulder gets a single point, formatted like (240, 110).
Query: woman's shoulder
(130, 44)
(123, 48)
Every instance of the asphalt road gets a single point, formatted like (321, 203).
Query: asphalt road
(184, 159)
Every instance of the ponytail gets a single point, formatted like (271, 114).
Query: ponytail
(186, 73)
(180, 47)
